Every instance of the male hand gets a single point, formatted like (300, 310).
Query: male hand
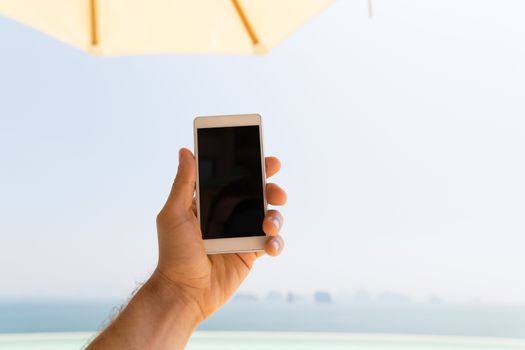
(206, 282)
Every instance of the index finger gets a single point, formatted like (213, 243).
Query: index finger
(273, 165)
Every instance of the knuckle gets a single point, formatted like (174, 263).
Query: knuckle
(160, 218)
(275, 214)
(272, 212)
(163, 218)
(174, 216)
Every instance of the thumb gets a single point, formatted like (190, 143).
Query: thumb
(181, 195)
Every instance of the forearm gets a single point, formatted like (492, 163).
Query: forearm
(157, 317)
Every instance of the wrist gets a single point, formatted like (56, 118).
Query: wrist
(159, 316)
(170, 296)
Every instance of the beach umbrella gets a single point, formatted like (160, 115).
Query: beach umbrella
(123, 27)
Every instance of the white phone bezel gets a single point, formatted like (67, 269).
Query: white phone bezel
(238, 244)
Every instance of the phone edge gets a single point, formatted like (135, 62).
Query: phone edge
(229, 121)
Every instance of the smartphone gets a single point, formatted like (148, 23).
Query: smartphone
(231, 182)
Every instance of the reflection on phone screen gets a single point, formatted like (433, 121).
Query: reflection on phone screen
(230, 182)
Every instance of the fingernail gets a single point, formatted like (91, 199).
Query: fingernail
(276, 245)
(275, 222)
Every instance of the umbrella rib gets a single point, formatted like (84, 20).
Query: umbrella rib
(245, 22)
(94, 27)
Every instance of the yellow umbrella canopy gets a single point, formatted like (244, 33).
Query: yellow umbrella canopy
(122, 27)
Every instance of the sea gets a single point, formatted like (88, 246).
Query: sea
(280, 325)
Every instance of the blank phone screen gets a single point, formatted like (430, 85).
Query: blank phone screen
(230, 182)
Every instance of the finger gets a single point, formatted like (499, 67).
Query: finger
(273, 165)
(181, 195)
(275, 195)
(272, 223)
(274, 245)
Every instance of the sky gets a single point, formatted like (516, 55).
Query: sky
(401, 139)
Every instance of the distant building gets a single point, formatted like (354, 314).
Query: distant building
(274, 297)
(362, 296)
(393, 298)
(322, 297)
(435, 300)
(245, 297)
(293, 298)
